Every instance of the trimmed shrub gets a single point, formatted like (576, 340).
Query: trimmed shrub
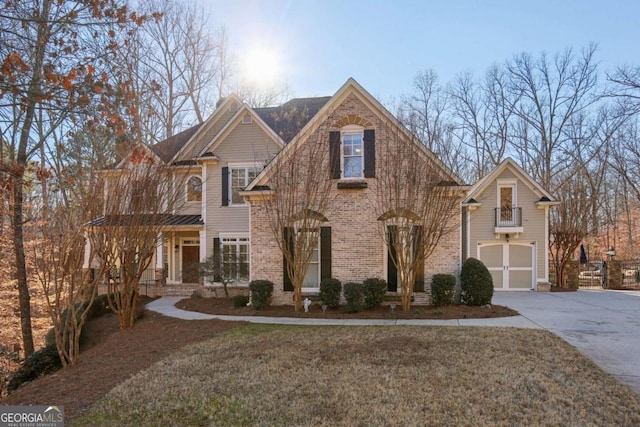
(261, 291)
(374, 290)
(443, 288)
(476, 282)
(330, 290)
(41, 362)
(353, 293)
(240, 301)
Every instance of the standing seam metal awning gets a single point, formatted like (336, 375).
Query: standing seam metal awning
(165, 220)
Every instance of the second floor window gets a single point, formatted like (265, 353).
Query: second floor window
(194, 189)
(240, 178)
(352, 155)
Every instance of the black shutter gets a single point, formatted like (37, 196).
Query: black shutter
(216, 257)
(392, 272)
(417, 252)
(334, 154)
(325, 252)
(288, 236)
(225, 186)
(369, 153)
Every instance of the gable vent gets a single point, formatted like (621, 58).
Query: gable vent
(246, 119)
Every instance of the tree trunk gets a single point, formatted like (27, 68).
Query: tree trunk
(21, 269)
(297, 297)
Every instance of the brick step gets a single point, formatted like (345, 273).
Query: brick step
(180, 290)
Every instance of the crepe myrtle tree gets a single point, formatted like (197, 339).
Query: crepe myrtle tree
(139, 199)
(296, 205)
(417, 203)
(59, 255)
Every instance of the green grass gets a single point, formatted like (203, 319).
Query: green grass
(371, 376)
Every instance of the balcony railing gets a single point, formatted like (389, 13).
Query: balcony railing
(508, 217)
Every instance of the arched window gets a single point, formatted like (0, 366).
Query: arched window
(194, 189)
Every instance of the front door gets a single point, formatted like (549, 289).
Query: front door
(511, 264)
(190, 264)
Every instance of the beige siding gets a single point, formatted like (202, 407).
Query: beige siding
(533, 219)
(245, 144)
(182, 206)
(207, 134)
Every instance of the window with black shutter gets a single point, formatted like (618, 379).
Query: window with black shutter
(352, 153)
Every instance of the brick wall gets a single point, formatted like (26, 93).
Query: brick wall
(357, 245)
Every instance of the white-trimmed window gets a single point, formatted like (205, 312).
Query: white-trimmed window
(311, 279)
(194, 189)
(234, 256)
(352, 152)
(240, 177)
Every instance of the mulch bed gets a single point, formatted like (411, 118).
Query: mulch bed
(114, 356)
(225, 306)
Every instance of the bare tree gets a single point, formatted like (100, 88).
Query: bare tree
(546, 95)
(140, 198)
(569, 222)
(49, 64)
(182, 68)
(482, 113)
(59, 258)
(426, 113)
(300, 195)
(417, 204)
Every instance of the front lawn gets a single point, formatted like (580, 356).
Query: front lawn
(371, 376)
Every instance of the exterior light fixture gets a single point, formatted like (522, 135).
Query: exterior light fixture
(611, 252)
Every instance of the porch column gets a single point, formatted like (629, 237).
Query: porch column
(87, 274)
(87, 253)
(160, 273)
(203, 245)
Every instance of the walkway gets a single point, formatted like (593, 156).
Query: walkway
(166, 306)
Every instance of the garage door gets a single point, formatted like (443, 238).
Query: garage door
(510, 264)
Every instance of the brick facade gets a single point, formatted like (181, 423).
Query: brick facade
(357, 247)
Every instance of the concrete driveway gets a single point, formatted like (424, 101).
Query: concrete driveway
(602, 324)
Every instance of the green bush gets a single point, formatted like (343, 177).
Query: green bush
(443, 288)
(41, 362)
(240, 301)
(261, 291)
(353, 293)
(330, 290)
(476, 282)
(374, 291)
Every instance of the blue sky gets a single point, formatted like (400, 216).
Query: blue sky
(384, 44)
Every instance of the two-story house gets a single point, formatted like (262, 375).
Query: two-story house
(219, 166)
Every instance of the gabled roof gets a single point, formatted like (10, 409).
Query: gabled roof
(281, 121)
(237, 118)
(508, 163)
(169, 147)
(276, 117)
(351, 86)
(221, 107)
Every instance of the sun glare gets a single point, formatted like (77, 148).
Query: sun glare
(261, 66)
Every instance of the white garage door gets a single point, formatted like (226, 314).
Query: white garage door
(511, 264)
